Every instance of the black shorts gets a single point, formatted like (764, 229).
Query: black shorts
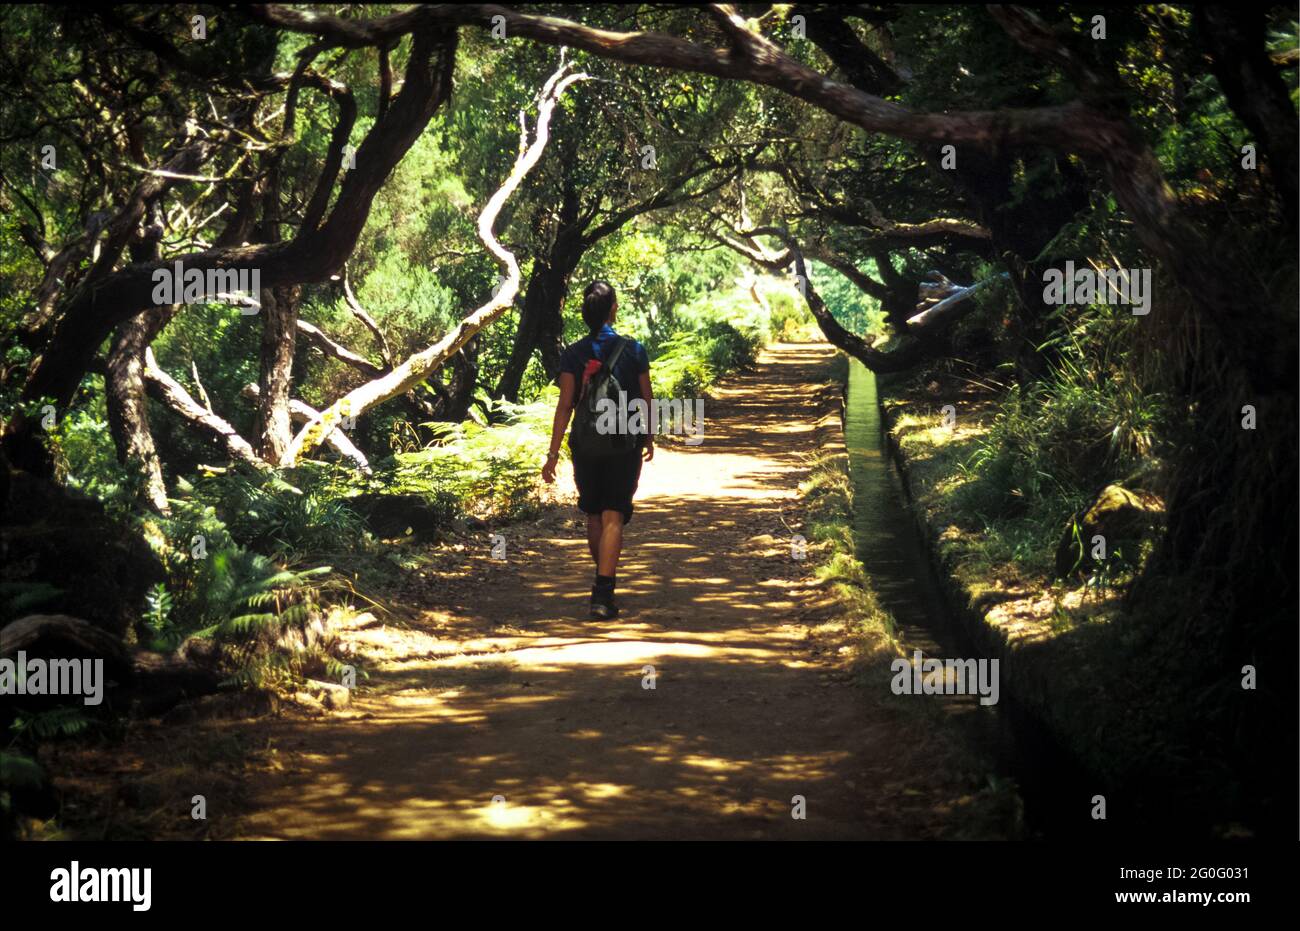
(607, 483)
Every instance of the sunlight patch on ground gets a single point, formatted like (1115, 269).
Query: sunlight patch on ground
(600, 790)
(610, 653)
(706, 762)
(585, 734)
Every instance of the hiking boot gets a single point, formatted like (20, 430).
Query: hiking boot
(602, 605)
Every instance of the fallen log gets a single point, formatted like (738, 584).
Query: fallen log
(49, 661)
(58, 636)
(155, 681)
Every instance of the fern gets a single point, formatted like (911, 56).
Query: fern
(472, 467)
(253, 603)
(45, 725)
(18, 771)
(20, 597)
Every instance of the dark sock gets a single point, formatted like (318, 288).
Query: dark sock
(604, 586)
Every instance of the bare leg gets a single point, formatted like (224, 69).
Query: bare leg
(593, 536)
(611, 542)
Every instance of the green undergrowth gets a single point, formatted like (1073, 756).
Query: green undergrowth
(1004, 471)
(252, 555)
(828, 504)
(691, 361)
(471, 468)
(827, 496)
(997, 488)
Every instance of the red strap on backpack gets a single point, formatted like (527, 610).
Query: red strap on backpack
(593, 366)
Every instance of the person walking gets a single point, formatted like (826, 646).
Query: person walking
(606, 466)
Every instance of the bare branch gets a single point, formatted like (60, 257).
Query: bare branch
(338, 351)
(941, 312)
(359, 312)
(198, 384)
(302, 412)
(334, 157)
(170, 392)
(385, 82)
(864, 282)
(417, 368)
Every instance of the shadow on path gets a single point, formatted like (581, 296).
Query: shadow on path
(522, 698)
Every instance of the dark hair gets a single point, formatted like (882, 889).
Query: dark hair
(597, 302)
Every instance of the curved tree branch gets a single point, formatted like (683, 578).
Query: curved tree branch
(368, 321)
(302, 412)
(317, 337)
(170, 392)
(416, 368)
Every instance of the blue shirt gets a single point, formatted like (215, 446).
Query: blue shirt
(631, 362)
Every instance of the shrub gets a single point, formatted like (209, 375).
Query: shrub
(300, 511)
(691, 361)
(493, 471)
(1096, 418)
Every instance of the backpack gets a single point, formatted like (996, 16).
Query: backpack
(585, 439)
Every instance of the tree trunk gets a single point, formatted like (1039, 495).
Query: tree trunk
(274, 430)
(541, 322)
(464, 379)
(128, 413)
(900, 295)
(1255, 90)
(124, 389)
(1020, 227)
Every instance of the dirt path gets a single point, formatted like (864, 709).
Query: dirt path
(511, 692)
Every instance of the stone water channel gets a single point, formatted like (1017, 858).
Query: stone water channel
(889, 545)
